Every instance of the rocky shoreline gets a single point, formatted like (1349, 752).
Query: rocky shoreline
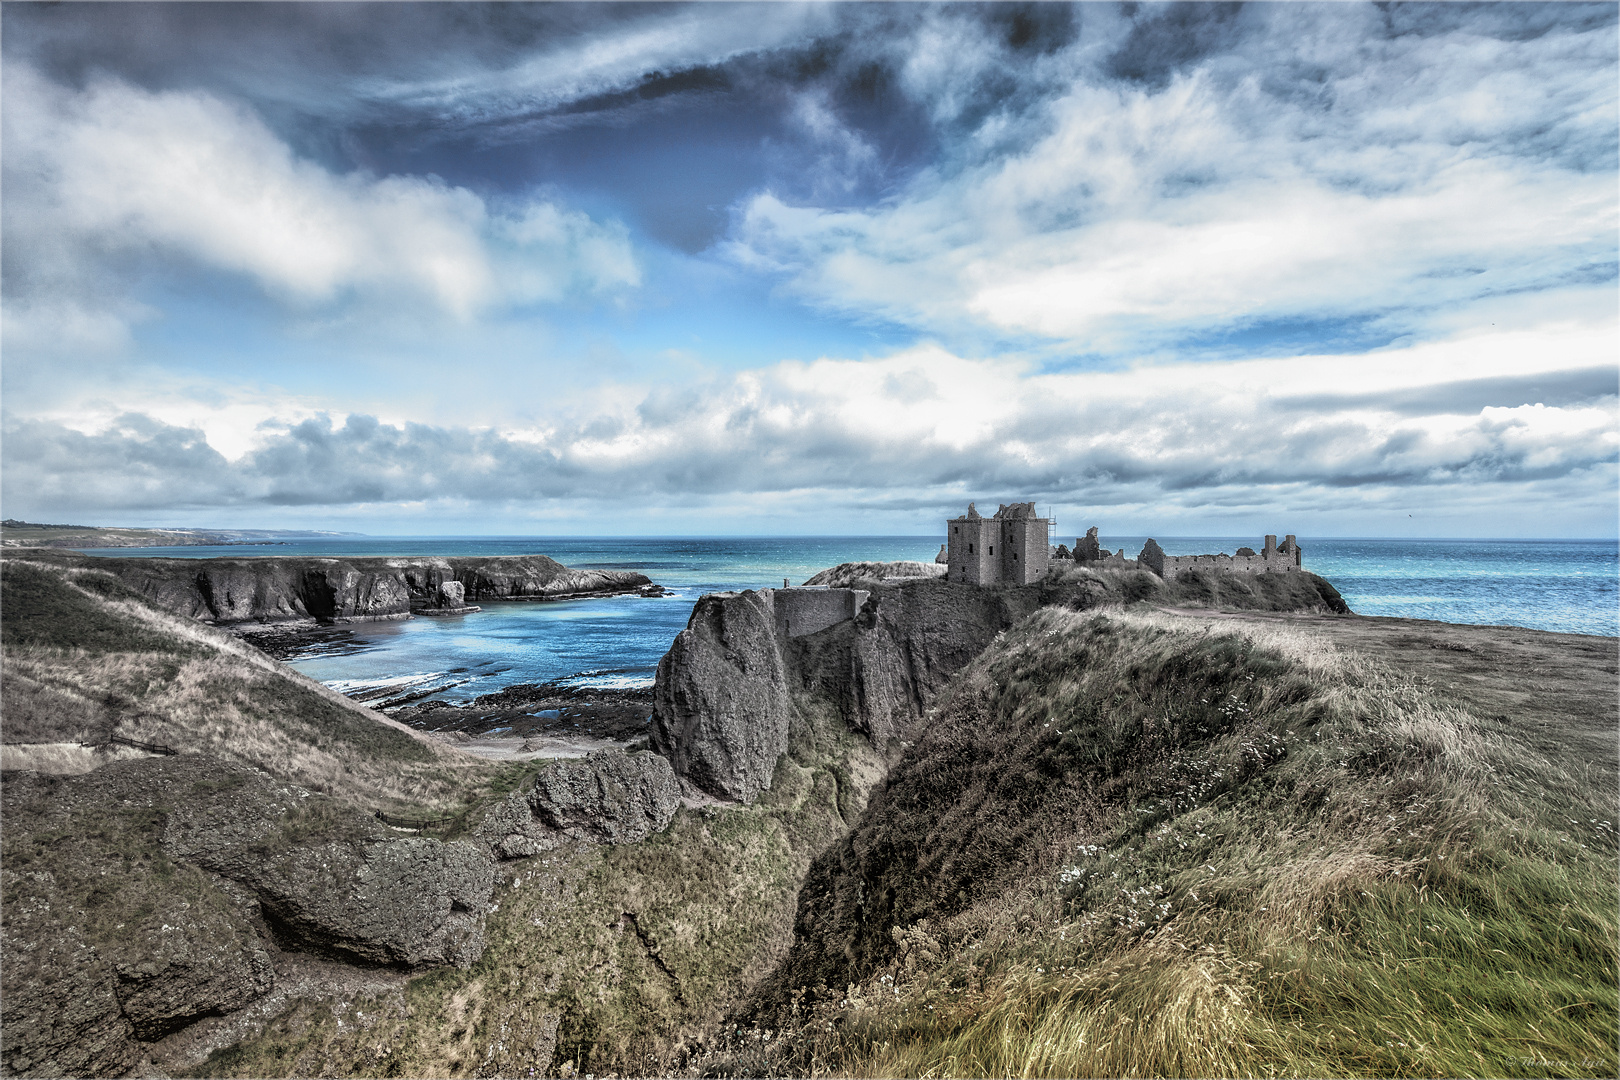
(537, 710)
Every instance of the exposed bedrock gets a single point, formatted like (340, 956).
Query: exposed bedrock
(183, 874)
(726, 692)
(609, 797)
(720, 698)
(354, 590)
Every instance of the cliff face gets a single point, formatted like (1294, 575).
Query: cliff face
(732, 686)
(737, 683)
(353, 590)
(145, 894)
(720, 702)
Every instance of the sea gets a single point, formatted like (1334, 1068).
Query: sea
(1563, 585)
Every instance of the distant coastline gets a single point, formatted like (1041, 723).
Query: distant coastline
(29, 534)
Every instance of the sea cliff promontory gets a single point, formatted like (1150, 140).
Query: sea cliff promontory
(346, 590)
(873, 651)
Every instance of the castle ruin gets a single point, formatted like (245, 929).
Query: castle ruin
(1273, 558)
(1012, 548)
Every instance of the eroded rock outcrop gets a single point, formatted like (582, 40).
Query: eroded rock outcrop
(745, 672)
(149, 893)
(720, 699)
(609, 797)
(724, 700)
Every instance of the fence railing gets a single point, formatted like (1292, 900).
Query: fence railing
(149, 747)
(413, 823)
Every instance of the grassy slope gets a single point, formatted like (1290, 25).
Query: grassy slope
(85, 657)
(25, 535)
(1134, 845)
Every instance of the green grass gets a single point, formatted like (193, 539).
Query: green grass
(1128, 847)
(38, 608)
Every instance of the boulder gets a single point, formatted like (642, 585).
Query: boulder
(609, 797)
(452, 594)
(185, 961)
(347, 886)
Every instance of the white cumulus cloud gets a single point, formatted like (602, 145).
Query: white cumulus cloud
(1399, 178)
(108, 176)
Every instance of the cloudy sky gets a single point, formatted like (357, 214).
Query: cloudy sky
(1326, 269)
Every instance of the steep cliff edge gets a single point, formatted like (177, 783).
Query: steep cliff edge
(1130, 844)
(745, 672)
(337, 590)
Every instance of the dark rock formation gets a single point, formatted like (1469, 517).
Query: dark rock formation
(724, 699)
(190, 963)
(610, 797)
(356, 889)
(354, 590)
(1087, 549)
(720, 700)
(736, 684)
(149, 893)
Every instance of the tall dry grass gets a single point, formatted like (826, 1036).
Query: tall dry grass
(146, 674)
(1306, 866)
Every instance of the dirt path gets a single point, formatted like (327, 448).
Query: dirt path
(521, 748)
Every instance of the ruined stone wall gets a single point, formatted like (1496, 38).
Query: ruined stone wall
(1233, 564)
(804, 611)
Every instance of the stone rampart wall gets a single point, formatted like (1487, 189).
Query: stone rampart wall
(1233, 564)
(804, 611)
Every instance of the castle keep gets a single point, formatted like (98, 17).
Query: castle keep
(1012, 548)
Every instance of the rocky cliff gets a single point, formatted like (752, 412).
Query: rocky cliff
(731, 687)
(145, 895)
(735, 682)
(354, 590)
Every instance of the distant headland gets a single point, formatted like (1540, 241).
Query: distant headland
(29, 534)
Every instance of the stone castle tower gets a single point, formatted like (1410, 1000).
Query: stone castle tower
(1011, 548)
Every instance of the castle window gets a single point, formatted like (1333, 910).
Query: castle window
(970, 549)
(992, 549)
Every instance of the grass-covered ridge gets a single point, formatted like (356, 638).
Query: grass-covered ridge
(1137, 845)
(86, 657)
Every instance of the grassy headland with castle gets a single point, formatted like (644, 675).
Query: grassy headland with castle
(1109, 821)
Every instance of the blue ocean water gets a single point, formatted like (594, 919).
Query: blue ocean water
(1564, 585)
